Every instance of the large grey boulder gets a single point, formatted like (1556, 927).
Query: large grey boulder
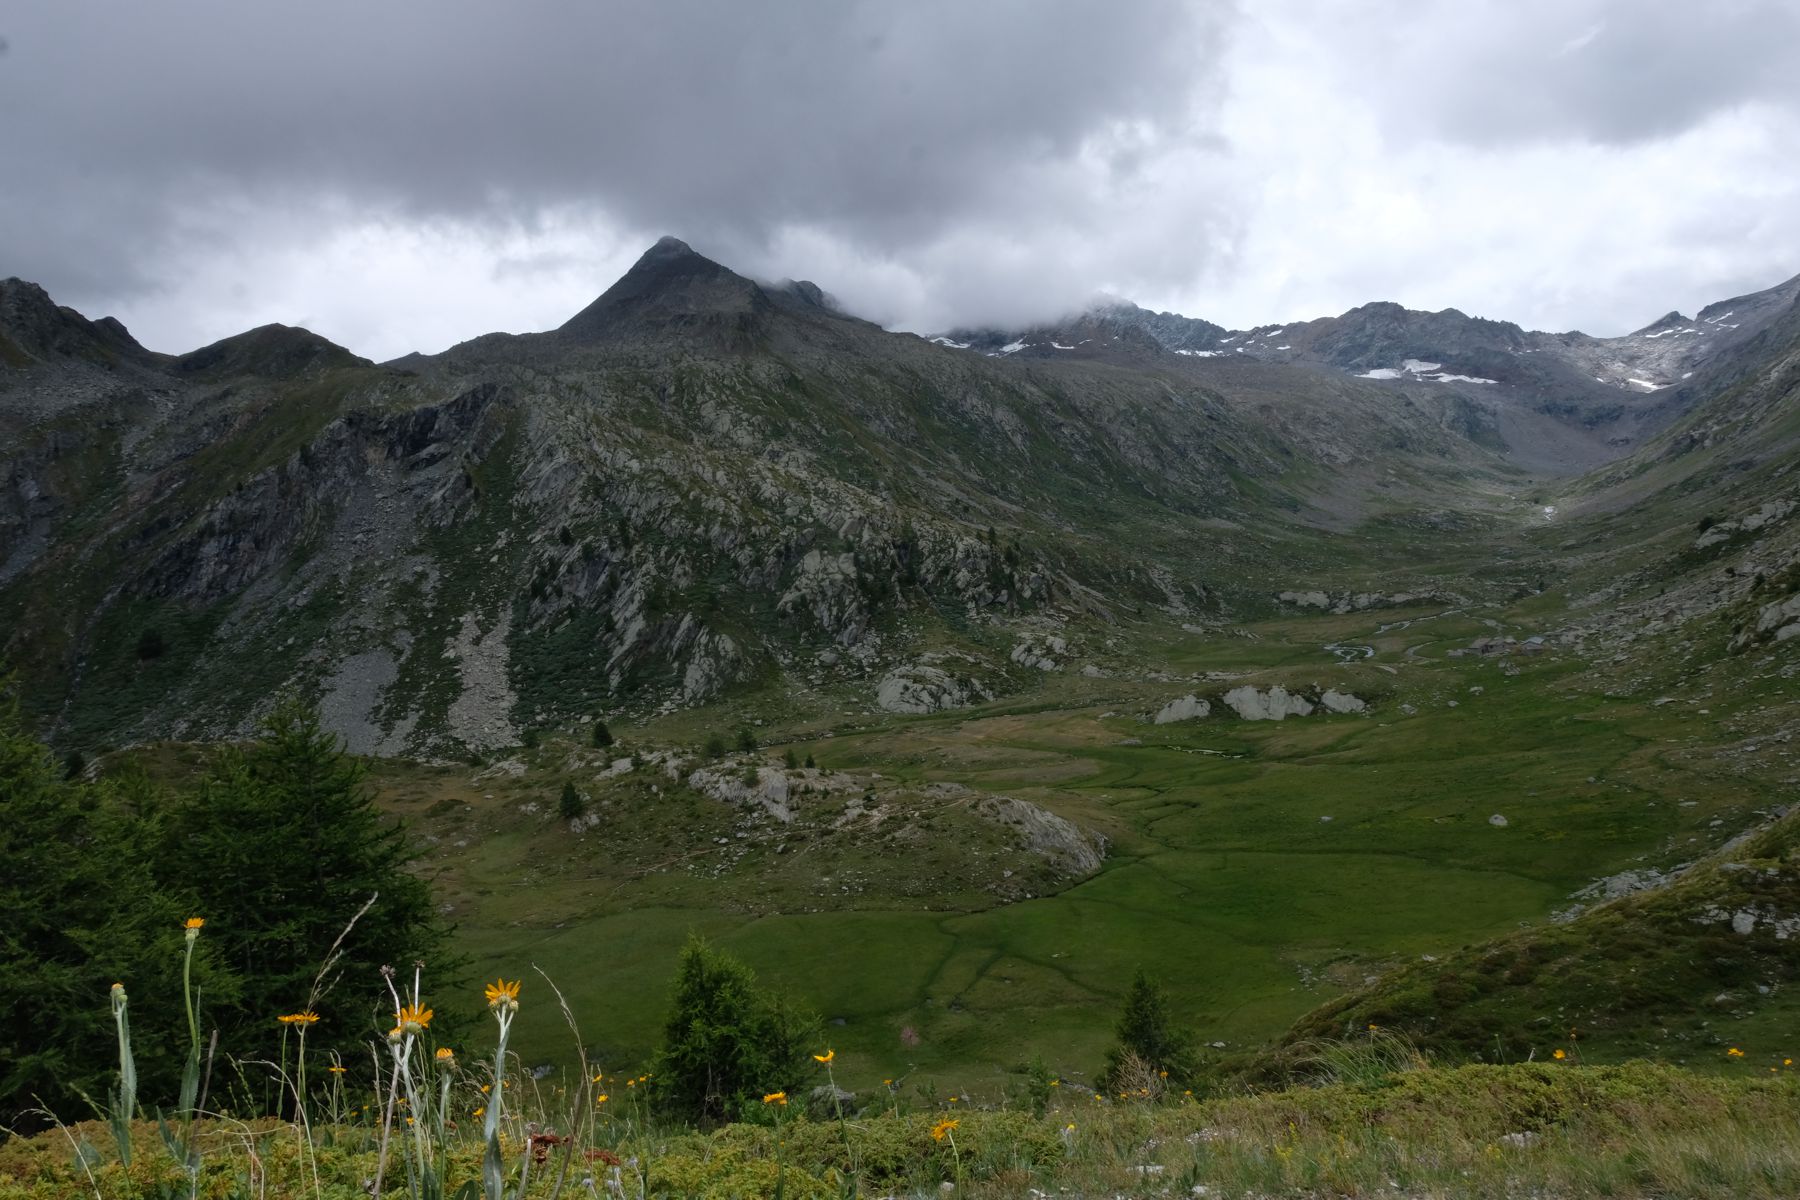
(1185, 708)
(1276, 704)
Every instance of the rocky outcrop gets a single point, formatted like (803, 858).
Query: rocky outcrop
(1276, 704)
(928, 686)
(1332, 700)
(1349, 602)
(1040, 652)
(1723, 531)
(728, 785)
(1068, 847)
(1776, 621)
(1183, 708)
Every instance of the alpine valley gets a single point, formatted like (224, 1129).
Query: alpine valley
(1395, 668)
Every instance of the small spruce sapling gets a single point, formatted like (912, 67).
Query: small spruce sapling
(571, 805)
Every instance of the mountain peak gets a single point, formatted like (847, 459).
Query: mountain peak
(273, 351)
(672, 287)
(33, 327)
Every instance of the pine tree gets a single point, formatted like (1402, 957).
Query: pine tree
(1146, 1033)
(726, 1040)
(82, 912)
(570, 805)
(602, 735)
(282, 846)
(746, 740)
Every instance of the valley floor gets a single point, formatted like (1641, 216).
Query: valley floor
(1257, 868)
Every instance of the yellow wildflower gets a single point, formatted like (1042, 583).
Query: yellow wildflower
(193, 923)
(942, 1129)
(601, 1098)
(503, 994)
(1559, 1055)
(337, 1070)
(825, 1057)
(1734, 1052)
(776, 1098)
(302, 1019)
(446, 1057)
(411, 1019)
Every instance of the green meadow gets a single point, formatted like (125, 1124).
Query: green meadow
(1257, 868)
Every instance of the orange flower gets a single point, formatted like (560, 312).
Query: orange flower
(942, 1129)
(503, 994)
(1559, 1056)
(779, 1098)
(302, 1019)
(193, 923)
(825, 1057)
(411, 1019)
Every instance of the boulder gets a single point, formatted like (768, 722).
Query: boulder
(1185, 708)
(1343, 702)
(1276, 704)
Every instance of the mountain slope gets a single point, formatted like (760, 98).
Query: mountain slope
(1561, 403)
(699, 483)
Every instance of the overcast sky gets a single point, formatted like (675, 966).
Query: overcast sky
(405, 174)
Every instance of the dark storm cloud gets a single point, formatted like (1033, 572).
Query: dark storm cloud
(128, 124)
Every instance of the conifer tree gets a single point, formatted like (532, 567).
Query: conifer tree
(1146, 1032)
(282, 846)
(727, 1041)
(82, 912)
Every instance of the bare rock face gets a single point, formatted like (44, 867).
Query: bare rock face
(1770, 513)
(1276, 704)
(1185, 708)
(1777, 621)
(727, 785)
(1349, 602)
(927, 686)
(1041, 652)
(1342, 702)
(1069, 848)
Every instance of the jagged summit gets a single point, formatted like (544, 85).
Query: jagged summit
(34, 328)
